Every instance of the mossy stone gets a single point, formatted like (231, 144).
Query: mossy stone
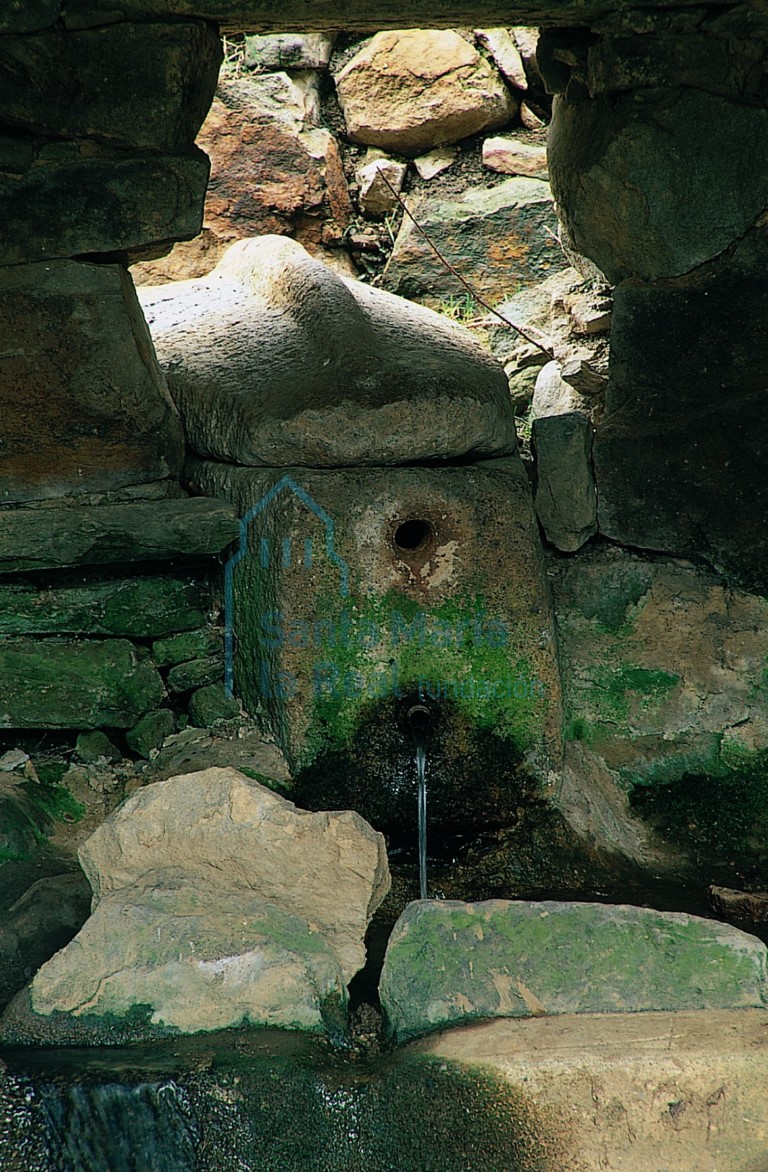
(449, 962)
(95, 745)
(205, 641)
(62, 683)
(151, 731)
(210, 704)
(197, 673)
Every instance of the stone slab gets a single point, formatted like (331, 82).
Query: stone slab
(148, 607)
(49, 538)
(61, 683)
(565, 498)
(68, 204)
(143, 85)
(450, 962)
(645, 1091)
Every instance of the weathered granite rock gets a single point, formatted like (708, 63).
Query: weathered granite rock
(511, 156)
(565, 499)
(288, 51)
(273, 170)
(38, 924)
(141, 607)
(84, 404)
(320, 370)
(186, 957)
(498, 237)
(448, 962)
(654, 183)
(60, 683)
(64, 202)
(145, 85)
(501, 45)
(411, 90)
(222, 828)
(47, 538)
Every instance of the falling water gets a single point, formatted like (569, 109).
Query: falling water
(419, 720)
(421, 767)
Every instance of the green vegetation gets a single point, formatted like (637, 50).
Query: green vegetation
(461, 308)
(28, 811)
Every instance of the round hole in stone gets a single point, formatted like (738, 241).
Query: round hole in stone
(413, 535)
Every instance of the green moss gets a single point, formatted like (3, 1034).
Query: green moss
(617, 691)
(578, 729)
(721, 814)
(28, 811)
(279, 787)
(454, 652)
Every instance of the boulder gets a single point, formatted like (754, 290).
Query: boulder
(553, 395)
(275, 360)
(273, 170)
(43, 920)
(450, 962)
(49, 538)
(85, 406)
(565, 499)
(62, 683)
(498, 238)
(170, 955)
(411, 90)
(223, 829)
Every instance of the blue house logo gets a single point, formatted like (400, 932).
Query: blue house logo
(288, 552)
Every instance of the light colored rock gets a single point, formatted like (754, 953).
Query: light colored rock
(84, 404)
(376, 198)
(273, 170)
(434, 162)
(200, 956)
(289, 51)
(277, 361)
(501, 45)
(640, 1091)
(529, 118)
(412, 90)
(510, 156)
(565, 499)
(527, 40)
(496, 237)
(552, 395)
(224, 829)
(448, 962)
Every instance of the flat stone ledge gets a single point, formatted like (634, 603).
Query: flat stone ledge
(643, 1091)
(50, 538)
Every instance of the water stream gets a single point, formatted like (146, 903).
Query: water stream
(419, 720)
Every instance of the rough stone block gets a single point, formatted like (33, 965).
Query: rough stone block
(84, 404)
(565, 498)
(150, 732)
(68, 203)
(59, 683)
(198, 673)
(187, 645)
(411, 90)
(47, 538)
(451, 962)
(289, 51)
(356, 590)
(145, 85)
(142, 607)
(497, 237)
